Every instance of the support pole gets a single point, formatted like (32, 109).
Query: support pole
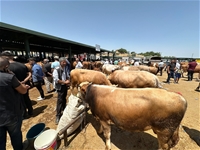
(27, 47)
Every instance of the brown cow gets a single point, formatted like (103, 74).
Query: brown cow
(78, 76)
(184, 68)
(29, 67)
(134, 79)
(136, 110)
(86, 65)
(97, 65)
(73, 65)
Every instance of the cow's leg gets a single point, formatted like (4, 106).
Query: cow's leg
(107, 132)
(100, 129)
(163, 139)
(174, 139)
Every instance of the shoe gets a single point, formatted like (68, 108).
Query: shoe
(25, 145)
(39, 99)
(57, 120)
(30, 113)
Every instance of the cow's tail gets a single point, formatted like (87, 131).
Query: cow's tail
(158, 83)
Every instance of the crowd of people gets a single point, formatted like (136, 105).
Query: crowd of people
(174, 70)
(17, 78)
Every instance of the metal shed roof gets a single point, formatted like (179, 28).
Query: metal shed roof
(14, 37)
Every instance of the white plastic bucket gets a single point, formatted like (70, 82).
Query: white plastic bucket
(46, 140)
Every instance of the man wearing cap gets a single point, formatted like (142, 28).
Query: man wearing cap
(10, 107)
(23, 75)
(62, 83)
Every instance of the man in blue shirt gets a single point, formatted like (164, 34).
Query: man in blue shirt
(37, 77)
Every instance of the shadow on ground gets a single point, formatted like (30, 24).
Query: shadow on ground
(124, 140)
(194, 134)
(39, 110)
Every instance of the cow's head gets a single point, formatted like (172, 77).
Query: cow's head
(82, 88)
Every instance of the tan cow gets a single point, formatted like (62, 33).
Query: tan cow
(153, 70)
(78, 76)
(109, 68)
(130, 68)
(134, 79)
(136, 110)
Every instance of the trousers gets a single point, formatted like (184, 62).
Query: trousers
(14, 130)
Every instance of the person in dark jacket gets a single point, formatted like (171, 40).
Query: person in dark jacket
(11, 108)
(171, 70)
(23, 75)
(191, 66)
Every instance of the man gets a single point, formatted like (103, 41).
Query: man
(23, 75)
(54, 65)
(177, 72)
(37, 77)
(160, 67)
(170, 70)
(191, 66)
(62, 81)
(10, 107)
(79, 65)
(68, 64)
(48, 75)
(136, 63)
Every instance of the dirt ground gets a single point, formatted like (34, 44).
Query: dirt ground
(44, 111)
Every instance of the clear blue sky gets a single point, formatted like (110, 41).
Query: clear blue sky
(168, 27)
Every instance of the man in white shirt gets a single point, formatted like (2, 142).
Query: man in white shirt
(79, 64)
(160, 67)
(177, 72)
(136, 63)
(62, 83)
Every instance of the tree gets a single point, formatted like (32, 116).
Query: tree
(122, 50)
(133, 54)
(151, 53)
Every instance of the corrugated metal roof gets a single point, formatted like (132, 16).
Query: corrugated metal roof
(43, 35)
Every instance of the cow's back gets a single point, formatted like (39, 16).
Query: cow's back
(78, 76)
(134, 79)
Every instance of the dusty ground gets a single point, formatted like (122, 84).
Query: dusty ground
(44, 111)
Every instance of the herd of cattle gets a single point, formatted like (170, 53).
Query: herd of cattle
(132, 98)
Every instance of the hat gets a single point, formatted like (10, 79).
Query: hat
(56, 57)
(7, 53)
(46, 60)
